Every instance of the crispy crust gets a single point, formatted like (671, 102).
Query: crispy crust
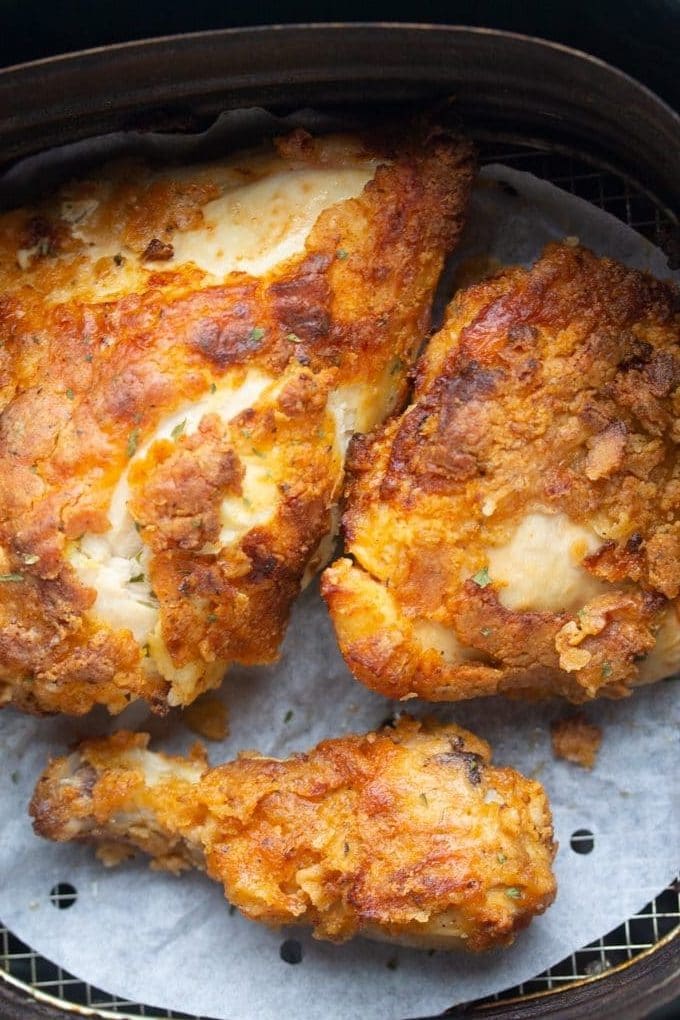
(576, 740)
(408, 834)
(85, 382)
(553, 391)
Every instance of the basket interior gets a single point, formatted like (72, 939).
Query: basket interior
(616, 195)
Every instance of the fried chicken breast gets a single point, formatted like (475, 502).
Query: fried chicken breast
(407, 834)
(517, 529)
(184, 355)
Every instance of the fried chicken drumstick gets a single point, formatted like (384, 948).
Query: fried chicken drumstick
(184, 355)
(517, 529)
(407, 834)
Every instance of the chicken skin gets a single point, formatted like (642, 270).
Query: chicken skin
(407, 834)
(184, 355)
(517, 529)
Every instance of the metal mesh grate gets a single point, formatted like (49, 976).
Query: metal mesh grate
(658, 918)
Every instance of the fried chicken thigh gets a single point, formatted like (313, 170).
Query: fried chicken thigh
(184, 356)
(517, 529)
(407, 834)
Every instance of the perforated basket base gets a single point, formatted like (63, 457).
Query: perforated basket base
(638, 935)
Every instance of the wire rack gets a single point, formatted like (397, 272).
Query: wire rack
(657, 919)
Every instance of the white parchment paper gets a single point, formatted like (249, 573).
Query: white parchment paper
(172, 942)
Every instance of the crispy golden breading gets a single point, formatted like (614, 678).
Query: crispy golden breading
(408, 834)
(185, 354)
(517, 529)
(576, 740)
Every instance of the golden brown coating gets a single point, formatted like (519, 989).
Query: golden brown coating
(408, 834)
(517, 529)
(576, 740)
(184, 354)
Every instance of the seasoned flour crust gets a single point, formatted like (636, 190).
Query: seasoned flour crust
(517, 529)
(409, 834)
(184, 355)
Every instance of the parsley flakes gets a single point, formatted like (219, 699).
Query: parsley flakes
(132, 443)
(11, 578)
(513, 892)
(179, 429)
(255, 335)
(482, 578)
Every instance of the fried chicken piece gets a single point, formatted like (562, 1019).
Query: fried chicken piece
(407, 834)
(185, 354)
(517, 529)
(576, 740)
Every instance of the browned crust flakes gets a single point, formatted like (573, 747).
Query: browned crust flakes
(553, 392)
(407, 834)
(576, 740)
(85, 382)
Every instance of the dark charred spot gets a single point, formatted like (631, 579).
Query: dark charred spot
(263, 561)
(158, 251)
(302, 304)
(639, 354)
(359, 453)
(226, 343)
(471, 762)
(634, 543)
(470, 383)
(435, 442)
(653, 601)
(40, 233)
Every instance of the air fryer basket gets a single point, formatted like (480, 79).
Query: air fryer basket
(536, 106)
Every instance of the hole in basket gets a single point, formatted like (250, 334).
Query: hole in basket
(63, 895)
(582, 841)
(291, 951)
